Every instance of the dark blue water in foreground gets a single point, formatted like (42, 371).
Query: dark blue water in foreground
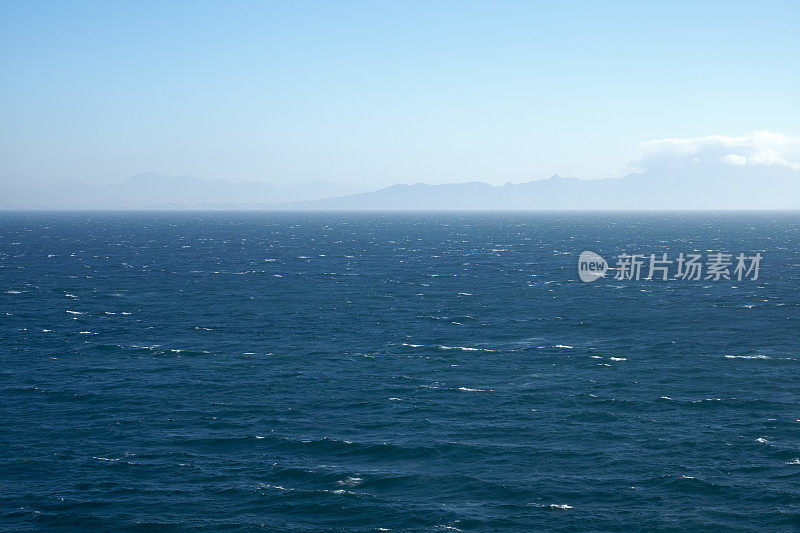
(420, 372)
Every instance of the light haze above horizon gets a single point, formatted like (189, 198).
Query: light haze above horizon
(368, 94)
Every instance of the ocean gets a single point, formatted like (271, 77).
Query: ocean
(395, 372)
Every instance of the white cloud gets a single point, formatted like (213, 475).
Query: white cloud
(735, 159)
(757, 148)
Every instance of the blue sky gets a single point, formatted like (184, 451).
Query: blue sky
(382, 92)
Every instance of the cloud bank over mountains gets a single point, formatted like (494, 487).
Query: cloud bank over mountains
(756, 171)
(758, 148)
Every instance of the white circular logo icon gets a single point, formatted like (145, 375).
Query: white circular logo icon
(591, 266)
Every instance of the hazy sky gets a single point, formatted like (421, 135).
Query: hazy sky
(382, 92)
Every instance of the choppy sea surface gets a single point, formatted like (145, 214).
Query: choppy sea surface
(403, 372)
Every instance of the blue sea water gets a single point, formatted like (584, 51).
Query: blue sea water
(403, 372)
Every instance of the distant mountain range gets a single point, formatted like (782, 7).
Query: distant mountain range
(690, 185)
(687, 185)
